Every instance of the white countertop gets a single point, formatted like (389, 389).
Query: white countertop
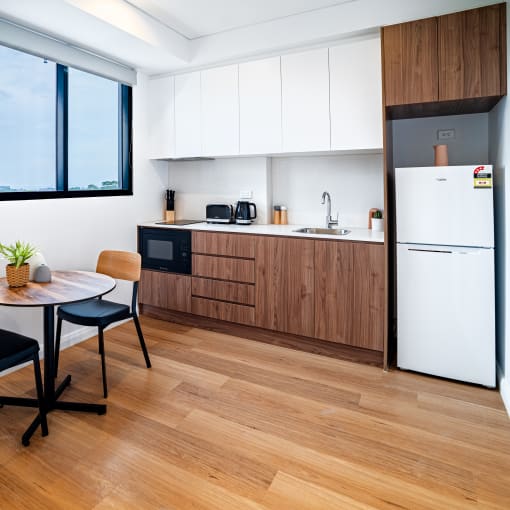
(356, 234)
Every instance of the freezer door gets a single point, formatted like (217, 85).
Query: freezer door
(446, 324)
(440, 205)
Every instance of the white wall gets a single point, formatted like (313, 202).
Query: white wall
(198, 183)
(355, 184)
(499, 134)
(413, 140)
(71, 232)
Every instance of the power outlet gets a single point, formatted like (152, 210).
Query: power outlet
(446, 134)
(246, 195)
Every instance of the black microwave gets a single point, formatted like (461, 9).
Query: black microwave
(165, 249)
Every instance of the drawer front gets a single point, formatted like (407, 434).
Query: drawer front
(241, 293)
(224, 311)
(228, 245)
(165, 290)
(223, 268)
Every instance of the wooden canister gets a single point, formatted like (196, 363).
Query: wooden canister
(441, 155)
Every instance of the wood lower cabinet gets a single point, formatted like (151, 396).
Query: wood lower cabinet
(334, 284)
(368, 296)
(285, 285)
(165, 290)
(349, 293)
(330, 290)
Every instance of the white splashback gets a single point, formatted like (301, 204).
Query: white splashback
(355, 183)
(198, 183)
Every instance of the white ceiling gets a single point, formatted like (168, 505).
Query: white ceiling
(162, 36)
(198, 18)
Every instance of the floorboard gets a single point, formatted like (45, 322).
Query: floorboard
(223, 422)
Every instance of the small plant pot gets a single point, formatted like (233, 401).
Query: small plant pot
(377, 224)
(17, 277)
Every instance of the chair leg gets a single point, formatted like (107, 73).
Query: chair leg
(57, 344)
(142, 341)
(40, 395)
(103, 362)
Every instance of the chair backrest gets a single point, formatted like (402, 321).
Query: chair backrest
(121, 265)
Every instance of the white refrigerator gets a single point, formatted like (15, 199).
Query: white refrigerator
(445, 272)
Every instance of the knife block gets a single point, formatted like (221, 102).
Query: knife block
(170, 216)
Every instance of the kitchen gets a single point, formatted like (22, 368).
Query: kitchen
(284, 145)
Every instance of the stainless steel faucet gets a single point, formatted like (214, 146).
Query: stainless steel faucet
(330, 222)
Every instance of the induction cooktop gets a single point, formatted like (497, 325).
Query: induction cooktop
(179, 222)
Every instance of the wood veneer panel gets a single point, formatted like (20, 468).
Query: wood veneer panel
(224, 268)
(419, 61)
(285, 285)
(368, 296)
(470, 54)
(165, 290)
(230, 245)
(392, 68)
(241, 293)
(229, 312)
(333, 291)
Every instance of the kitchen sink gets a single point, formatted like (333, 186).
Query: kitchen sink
(327, 231)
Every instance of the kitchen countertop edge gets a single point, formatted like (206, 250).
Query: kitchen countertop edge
(356, 234)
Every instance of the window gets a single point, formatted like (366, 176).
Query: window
(63, 132)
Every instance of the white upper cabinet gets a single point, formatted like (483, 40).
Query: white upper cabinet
(305, 101)
(220, 111)
(260, 104)
(356, 95)
(161, 118)
(187, 115)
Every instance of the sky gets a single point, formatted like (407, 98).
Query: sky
(27, 124)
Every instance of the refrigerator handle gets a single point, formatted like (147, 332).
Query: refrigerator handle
(430, 251)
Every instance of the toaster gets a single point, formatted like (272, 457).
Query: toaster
(219, 213)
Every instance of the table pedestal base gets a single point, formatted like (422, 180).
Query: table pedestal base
(51, 406)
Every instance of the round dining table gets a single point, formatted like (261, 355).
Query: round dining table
(65, 287)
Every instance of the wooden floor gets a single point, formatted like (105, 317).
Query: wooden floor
(220, 422)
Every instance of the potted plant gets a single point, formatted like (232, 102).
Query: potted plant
(17, 254)
(377, 222)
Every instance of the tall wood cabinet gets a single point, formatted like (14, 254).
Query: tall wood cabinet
(453, 58)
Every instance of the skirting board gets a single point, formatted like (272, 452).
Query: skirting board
(504, 388)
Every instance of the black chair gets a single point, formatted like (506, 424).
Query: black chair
(14, 350)
(100, 313)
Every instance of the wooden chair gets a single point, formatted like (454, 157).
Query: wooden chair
(121, 265)
(14, 350)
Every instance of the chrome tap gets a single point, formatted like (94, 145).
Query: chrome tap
(330, 222)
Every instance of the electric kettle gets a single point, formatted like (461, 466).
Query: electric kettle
(244, 214)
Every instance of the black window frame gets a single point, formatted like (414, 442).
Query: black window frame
(125, 177)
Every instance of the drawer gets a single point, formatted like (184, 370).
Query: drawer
(224, 311)
(165, 290)
(224, 268)
(242, 293)
(228, 245)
